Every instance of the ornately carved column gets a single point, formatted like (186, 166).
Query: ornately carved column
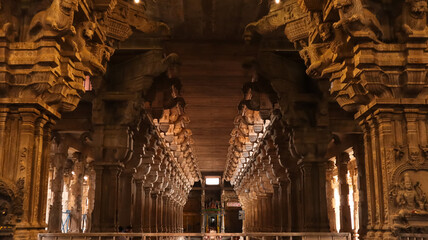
(59, 155)
(76, 192)
(345, 210)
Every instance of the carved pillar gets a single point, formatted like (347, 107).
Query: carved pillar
(296, 213)
(174, 216)
(24, 165)
(159, 212)
(125, 197)
(104, 216)
(154, 211)
(393, 138)
(91, 197)
(345, 210)
(165, 211)
(147, 213)
(276, 217)
(362, 186)
(137, 225)
(59, 155)
(330, 196)
(77, 192)
(313, 195)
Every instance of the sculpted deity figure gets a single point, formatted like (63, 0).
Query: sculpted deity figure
(410, 197)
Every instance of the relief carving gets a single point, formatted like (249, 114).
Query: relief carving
(8, 22)
(58, 18)
(413, 19)
(398, 153)
(96, 55)
(357, 20)
(11, 199)
(409, 198)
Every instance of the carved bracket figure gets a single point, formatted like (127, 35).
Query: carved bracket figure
(413, 20)
(54, 21)
(357, 20)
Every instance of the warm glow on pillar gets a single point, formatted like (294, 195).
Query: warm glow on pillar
(351, 201)
(137, 1)
(277, 1)
(337, 203)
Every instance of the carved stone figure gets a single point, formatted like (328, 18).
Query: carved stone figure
(410, 198)
(357, 20)
(56, 20)
(413, 19)
(8, 22)
(5, 212)
(80, 42)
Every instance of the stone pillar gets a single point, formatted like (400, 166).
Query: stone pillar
(125, 197)
(25, 135)
(362, 186)
(59, 155)
(165, 227)
(285, 210)
(174, 216)
(223, 212)
(296, 210)
(276, 216)
(77, 192)
(104, 216)
(159, 214)
(203, 223)
(147, 210)
(314, 196)
(345, 211)
(269, 213)
(262, 213)
(91, 197)
(154, 212)
(330, 196)
(137, 220)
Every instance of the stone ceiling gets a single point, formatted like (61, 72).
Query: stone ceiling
(207, 34)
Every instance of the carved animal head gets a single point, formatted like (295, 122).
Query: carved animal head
(67, 7)
(418, 8)
(339, 4)
(88, 30)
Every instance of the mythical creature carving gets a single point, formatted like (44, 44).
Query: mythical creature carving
(357, 20)
(96, 55)
(413, 19)
(8, 22)
(321, 55)
(56, 20)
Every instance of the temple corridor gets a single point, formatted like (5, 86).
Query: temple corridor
(213, 119)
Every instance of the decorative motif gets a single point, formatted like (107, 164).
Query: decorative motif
(398, 153)
(8, 22)
(413, 20)
(357, 20)
(408, 197)
(54, 21)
